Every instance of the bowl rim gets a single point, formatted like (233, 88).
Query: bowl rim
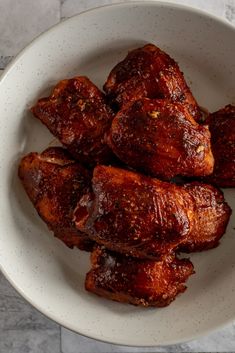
(7, 70)
(143, 3)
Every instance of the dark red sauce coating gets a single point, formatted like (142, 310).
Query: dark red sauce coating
(76, 113)
(135, 281)
(222, 128)
(160, 138)
(148, 218)
(54, 183)
(149, 72)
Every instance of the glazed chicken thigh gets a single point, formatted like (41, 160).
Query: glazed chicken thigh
(54, 183)
(148, 218)
(136, 281)
(222, 128)
(149, 72)
(160, 138)
(76, 113)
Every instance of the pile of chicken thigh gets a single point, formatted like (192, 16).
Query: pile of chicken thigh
(136, 181)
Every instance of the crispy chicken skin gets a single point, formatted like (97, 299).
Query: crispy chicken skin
(160, 138)
(135, 281)
(222, 128)
(54, 183)
(148, 218)
(149, 72)
(76, 113)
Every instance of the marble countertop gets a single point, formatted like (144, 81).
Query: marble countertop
(22, 328)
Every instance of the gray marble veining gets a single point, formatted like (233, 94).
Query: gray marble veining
(222, 341)
(230, 11)
(4, 60)
(31, 341)
(22, 20)
(22, 328)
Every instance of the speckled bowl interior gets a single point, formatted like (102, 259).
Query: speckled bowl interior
(42, 269)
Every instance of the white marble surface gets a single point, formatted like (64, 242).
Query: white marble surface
(21, 21)
(22, 328)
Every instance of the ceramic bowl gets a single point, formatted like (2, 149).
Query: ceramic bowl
(45, 272)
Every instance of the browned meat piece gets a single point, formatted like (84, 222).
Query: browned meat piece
(143, 217)
(54, 184)
(149, 72)
(136, 281)
(77, 115)
(161, 138)
(209, 219)
(222, 128)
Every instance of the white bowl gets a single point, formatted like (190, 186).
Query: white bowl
(51, 276)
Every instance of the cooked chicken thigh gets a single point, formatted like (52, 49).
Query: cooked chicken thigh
(149, 72)
(162, 139)
(54, 183)
(143, 217)
(136, 281)
(222, 128)
(76, 113)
